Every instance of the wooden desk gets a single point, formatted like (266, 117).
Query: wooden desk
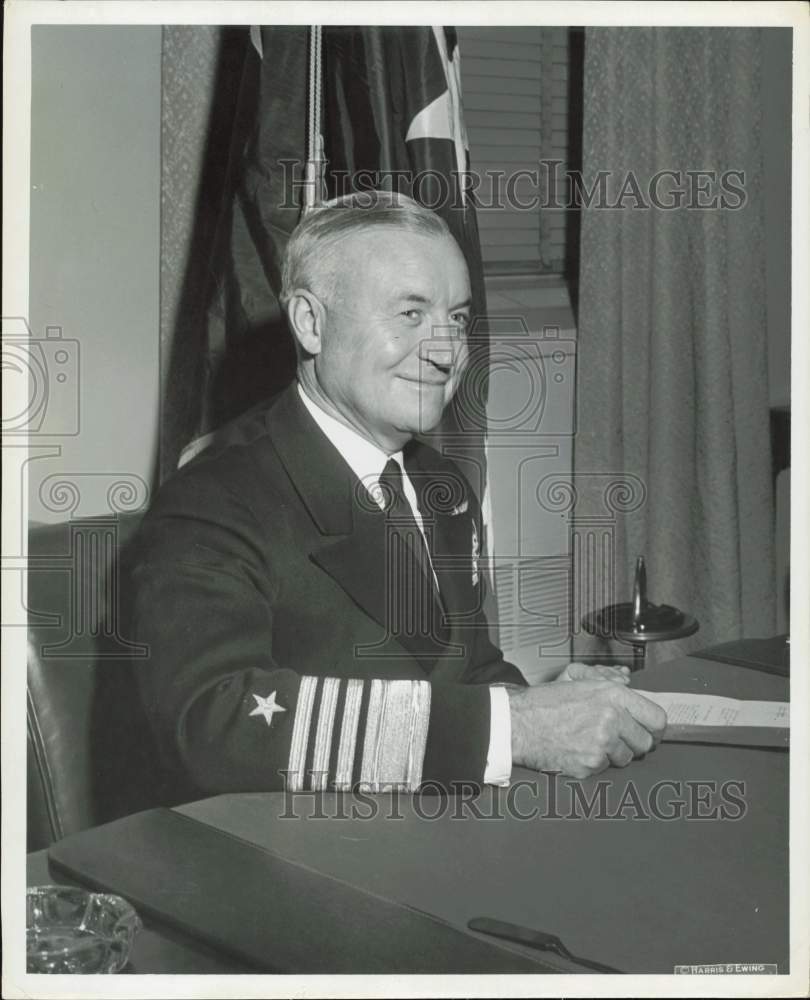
(629, 888)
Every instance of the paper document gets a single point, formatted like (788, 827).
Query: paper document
(709, 710)
(708, 718)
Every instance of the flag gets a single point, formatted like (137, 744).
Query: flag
(392, 118)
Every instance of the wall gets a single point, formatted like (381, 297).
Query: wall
(776, 109)
(95, 237)
(530, 411)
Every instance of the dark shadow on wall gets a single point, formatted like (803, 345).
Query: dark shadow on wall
(259, 365)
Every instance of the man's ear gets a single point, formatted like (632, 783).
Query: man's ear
(307, 317)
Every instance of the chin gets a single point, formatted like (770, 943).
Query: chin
(430, 415)
(422, 411)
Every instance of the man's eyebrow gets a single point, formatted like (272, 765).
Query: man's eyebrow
(401, 296)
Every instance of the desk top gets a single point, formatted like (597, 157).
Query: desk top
(681, 858)
(699, 676)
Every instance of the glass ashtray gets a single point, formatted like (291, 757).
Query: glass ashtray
(71, 930)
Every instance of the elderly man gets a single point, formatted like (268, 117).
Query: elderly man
(309, 589)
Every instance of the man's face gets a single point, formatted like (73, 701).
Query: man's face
(394, 343)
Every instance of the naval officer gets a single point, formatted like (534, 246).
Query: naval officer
(308, 587)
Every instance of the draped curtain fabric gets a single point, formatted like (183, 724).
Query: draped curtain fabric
(672, 452)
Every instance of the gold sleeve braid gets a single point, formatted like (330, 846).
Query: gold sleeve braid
(370, 734)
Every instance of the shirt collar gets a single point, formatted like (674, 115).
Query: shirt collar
(365, 459)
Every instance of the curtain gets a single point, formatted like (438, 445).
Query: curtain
(672, 452)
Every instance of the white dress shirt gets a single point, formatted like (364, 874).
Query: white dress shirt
(367, 461)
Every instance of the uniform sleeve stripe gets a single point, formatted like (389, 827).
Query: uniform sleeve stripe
(420, 718)
(383, 728)
(361, 728)
(344, 769)
(309, 753)
(371, 745)
(337, 727)
(323, 735)
(396, 735)
(300, 735)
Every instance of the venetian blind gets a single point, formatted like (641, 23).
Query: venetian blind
(515, 84)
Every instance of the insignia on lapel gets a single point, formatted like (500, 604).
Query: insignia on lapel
(459, 509)
(476, 551)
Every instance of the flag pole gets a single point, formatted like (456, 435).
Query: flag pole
(314, 170)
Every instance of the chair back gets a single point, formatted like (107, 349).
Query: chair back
(91, 753)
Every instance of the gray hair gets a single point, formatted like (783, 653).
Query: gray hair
(310, 255)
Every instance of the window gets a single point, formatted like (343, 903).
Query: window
(522, 89)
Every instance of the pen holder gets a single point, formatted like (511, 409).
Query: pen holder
(639, 622)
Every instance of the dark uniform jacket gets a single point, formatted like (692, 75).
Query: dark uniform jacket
(275, 658)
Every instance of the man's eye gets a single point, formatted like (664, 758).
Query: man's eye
(460, 319)
(412, 314)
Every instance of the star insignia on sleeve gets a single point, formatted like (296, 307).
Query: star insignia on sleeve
(267, 707)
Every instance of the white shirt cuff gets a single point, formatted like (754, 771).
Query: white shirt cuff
(499, 755)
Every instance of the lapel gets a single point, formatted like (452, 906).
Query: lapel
(322, 480)
(352, 549)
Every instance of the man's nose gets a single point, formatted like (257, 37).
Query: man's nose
(439, 351)
(444, 346)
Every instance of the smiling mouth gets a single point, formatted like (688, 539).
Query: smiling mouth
(432, 373)
(432, 379)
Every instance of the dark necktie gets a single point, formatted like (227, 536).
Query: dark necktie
(414, 600)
